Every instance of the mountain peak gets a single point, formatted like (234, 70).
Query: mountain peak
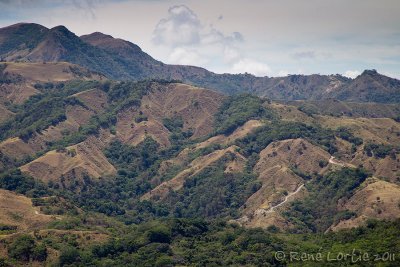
(96, 35)
(60, 28)
(22, 25)
(108, 42)
(370, 72)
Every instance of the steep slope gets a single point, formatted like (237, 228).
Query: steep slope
(376, 130)
(196, 166)
(375, 199)
(16, 41)
(72, 165)
(50, 72)
(371, 86)
(17, 210)
(59, 44)
(387, 168)
(333, 107)
(183, 157)
(5, 114)
(19, 81)
(120, 47)
(194, 106)
(95, 102)
(119, 59)
(279, 169)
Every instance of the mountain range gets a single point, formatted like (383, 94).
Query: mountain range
(123, 60)
(109, 157)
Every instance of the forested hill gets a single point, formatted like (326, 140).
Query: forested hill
(120, 59)
(99, 172)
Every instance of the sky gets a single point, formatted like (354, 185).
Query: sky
(262, 37)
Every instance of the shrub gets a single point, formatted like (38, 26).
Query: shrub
(39, 253)
(159, 234)
(21, 248)
(68, 255)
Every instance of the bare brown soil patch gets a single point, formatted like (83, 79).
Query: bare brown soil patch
(16, 148)
(386, 168)
(290, 113)
(277, 169)
(95, 99)
(183, 156)
(16, 93)
(17, 210)
(376, 130)
(194, 105)
(72, 165)
(373, 199)
(51, 71)
(95, 102)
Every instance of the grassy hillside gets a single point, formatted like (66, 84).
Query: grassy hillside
(120, 173)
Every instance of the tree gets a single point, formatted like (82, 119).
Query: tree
(22, 248)
(68, 255)
(39, 253)
(159, 234)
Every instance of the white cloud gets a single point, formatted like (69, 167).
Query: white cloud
(185, 56)
(283, 73)
(191, 41)
(181, 27)
(251, 66)
(351, 73)
(231, 54)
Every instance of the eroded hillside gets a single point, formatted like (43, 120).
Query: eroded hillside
(95, 158)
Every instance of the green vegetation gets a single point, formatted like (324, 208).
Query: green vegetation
(212, 193)
(169, 232)
(27, 36)
(186, 242)
(310, 110)
(121, 95)
(238, 109)
(117, 196)
(381, 150)
(7, 229)
(173, 124)
(261, 137)
(178, 137)
(317, 211)
(24, 248)
(16, 181)
(346, 134)
(42, 110)
(196, 242)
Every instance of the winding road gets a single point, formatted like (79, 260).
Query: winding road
(270, 210)
(332, 160)
(286, 199)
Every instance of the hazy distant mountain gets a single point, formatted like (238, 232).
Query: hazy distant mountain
(371, 86)
(120, 59)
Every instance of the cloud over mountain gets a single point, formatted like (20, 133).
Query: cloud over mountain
(194, 42)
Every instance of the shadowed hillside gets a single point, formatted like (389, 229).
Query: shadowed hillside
(120, 59)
